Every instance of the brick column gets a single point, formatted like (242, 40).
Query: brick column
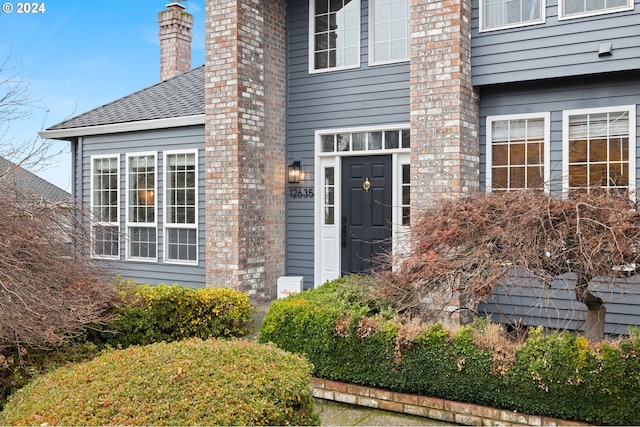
(444, 105)
(444, 116)
(245, 144)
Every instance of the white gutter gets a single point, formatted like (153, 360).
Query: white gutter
(123, 127)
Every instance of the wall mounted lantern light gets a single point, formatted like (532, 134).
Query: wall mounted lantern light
(294, 172)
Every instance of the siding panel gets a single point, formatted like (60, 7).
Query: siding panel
(157, 141)
(556, 307)
(369, 95)
(555, 48)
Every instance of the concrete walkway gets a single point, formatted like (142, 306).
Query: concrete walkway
(338, 414)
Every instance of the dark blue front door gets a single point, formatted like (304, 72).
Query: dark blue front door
(366, 212)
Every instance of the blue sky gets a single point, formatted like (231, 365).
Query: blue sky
(80, 54)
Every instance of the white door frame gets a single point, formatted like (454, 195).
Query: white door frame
(327, 233)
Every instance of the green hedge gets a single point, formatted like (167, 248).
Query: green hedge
(556, 375)
(148, 314)
(191, 382)
(143, 315)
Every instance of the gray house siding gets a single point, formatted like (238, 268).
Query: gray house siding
(148, 141)
(555, 48)
(368, 95)
(555, 96)
(556, 307)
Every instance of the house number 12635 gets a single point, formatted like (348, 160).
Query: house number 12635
(301, 193)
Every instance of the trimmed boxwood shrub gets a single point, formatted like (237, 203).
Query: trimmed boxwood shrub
(192, 382)
(551, 374)
(147, 314)
(143, 314)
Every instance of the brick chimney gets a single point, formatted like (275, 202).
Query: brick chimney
(175, 40)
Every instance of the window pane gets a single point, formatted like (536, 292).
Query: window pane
(406, 138)
(588, 6)
(598, 150)
(390, 30)
(343, 142)
(578, 176)
(375, 140)
(142, 242)
(392, 139)
(535, 177)
(105, 206)
(327, 143)
(517, 154)
(535, 154)
(500, 179)
(329, 195)
(578, 151)
(498, 13)
(359, 141)
(517, 143)
(181, 244)
(517, 177)
(336, 33)
(141, 189)
(106, 240)
(500, 155)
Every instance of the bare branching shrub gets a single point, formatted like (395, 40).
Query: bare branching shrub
(468, 244)
(49, 288)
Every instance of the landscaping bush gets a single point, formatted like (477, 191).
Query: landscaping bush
(558, 375)
(147, 314)
(192, 382)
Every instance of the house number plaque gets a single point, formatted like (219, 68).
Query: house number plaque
(301, 193)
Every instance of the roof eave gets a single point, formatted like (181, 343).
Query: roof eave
(172, 122)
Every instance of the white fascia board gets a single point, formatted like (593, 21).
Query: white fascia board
(123, 127)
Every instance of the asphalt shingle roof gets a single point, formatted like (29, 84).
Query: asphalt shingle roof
(31, 186)
(179, 96)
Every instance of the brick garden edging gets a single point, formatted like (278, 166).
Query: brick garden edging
(430, 407)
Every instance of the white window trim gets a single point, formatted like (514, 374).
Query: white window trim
(91, 200)
(547, 145)
(312, 46)
(482, 28)
(631, 109)
(154, 224)
(324, 233)
(166, 224)
(372, 39)
(562, 17)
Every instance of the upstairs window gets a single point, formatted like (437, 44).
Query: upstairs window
(578, 8)
(334, 34)
(389, 30)
(517, 152)
(599, 149)
(499, 14)
(141, 207)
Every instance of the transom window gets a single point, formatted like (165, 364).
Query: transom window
(181, 207)
(577, 8)
(389, 30)
(516, 152)
(335, 34)
(365, 141)
(141, 206)
(105, 180)
(599, 149)
(498, 14)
